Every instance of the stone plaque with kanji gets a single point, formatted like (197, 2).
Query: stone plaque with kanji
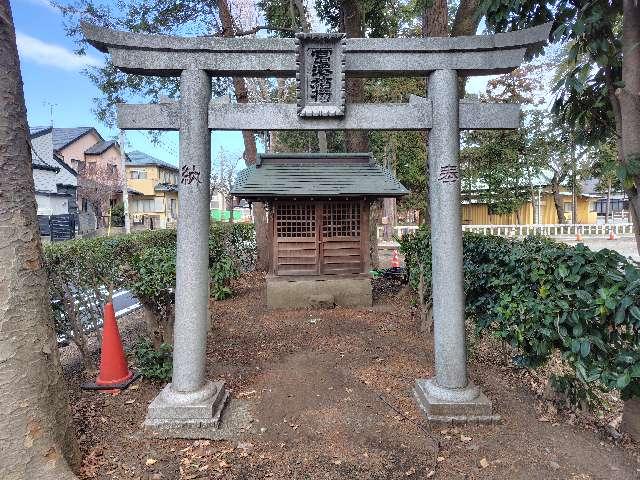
(320, 77)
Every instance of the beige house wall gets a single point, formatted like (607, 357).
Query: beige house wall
(75, 151)
(111, 156)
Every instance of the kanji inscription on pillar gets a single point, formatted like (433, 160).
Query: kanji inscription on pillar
(320, 77)
(449, 174)
(190, 174)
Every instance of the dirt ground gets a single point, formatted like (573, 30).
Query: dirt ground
(329, 396)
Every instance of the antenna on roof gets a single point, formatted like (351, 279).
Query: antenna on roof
(51, 107)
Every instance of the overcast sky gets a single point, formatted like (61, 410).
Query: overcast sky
(57, 91)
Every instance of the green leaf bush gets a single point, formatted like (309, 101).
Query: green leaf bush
(154, 363)
(540, 297)
(82, 272)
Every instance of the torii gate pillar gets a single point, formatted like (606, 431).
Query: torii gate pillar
(190, 400)
(449, 396)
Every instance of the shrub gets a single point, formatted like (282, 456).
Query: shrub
(151, 276)
(82, 272)
(154, 363)
(117, 215)
(540, 296)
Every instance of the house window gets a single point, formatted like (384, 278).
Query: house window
(143, 205)
(111, 168)
(173, 207)
(138, 174)
(91, 168)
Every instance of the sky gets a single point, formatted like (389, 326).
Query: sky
(58, 93)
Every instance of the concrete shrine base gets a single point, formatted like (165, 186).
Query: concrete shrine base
(172, 411)
(314, 291)
(443, 405)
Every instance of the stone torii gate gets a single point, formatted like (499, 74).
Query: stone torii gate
(320, 63)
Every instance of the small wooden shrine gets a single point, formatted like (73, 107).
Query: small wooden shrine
(319, 224)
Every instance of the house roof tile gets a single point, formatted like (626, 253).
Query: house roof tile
(142, 159)
(100, 147)
(62, 137)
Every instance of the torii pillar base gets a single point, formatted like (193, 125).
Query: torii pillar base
(446, 405)
(171, 413)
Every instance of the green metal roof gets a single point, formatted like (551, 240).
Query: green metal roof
(316, 175)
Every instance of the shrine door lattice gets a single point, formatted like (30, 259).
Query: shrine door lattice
(313, 238)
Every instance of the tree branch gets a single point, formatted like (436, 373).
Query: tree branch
(256, 29)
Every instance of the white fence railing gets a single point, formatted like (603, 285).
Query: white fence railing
(399, 231)
(550, 230)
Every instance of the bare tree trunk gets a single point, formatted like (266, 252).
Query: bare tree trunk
(629, 98)
(608, 208)
(351, 20)
(557, 199)
(389, 212)
(250, 149)
(352, 25)
(35, 421)
(629, 101)
(434, 24)
(374, 220)
(425, 323)
(230, 203)
(389, 205)
(435, 20)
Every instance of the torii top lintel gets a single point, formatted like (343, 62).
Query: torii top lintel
(165, 55)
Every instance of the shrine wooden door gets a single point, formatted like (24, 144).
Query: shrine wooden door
(319, 238)
(340, 239)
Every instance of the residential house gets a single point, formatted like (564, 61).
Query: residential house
(85, 151)
(155, 203)
(55, 181)
(541, 209)
(617, 209)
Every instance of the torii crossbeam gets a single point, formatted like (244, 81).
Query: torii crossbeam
(190, 401)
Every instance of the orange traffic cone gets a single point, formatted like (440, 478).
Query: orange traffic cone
(114, 371)
(612, 236)
(395, 263)
(579, 236)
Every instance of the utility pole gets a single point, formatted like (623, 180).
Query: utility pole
(125, 189)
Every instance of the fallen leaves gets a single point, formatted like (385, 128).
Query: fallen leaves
(484, 463)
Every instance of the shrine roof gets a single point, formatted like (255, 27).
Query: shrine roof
(294, 175)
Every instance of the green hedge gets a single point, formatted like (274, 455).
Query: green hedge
(82, 271)
(541, 296)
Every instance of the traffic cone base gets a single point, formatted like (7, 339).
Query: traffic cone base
(612, 236)
(118, 381)
(114, 371)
